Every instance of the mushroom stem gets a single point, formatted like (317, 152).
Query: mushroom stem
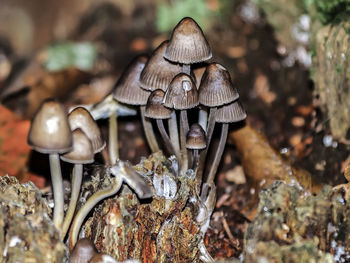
(113, 139)
(149, 132)
(186, 68)
(77, 176)
(218, 155)
(165, 137)
(57, 185)
(203, 118)
(174, 134)
(88, 206)
(203, 154)
(195, 160)
(183, 132)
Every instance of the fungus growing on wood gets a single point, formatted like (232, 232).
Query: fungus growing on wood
(50, 134)
(196, 140)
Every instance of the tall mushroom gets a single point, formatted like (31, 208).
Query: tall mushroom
(128, 90)
(187, 45)
(156, 110)
(226, 114)
(81, 154)
(182, 95)
(157, 74)
(50, 134)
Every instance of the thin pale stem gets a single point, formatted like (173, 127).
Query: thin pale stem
(113, 139)
(195, 160)
(77, 177)
(88, 206)
(174, 135)
(186, 68)
(149, 132)
(203, 118)
(57, 186)
(218, 155)
(165, 137)
(183, 132)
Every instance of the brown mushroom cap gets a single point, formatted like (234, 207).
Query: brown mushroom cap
(81, 118)
(158, 71)
(103, 258)
(198, 73)
(187, 44)
(82, 152)
(232, 112)
(196, 138)
(155, 108)
(83, 251)
(50, 132)
(182, 93)
(128, 88)
(216, 87)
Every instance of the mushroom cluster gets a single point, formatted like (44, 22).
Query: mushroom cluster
(166, 87)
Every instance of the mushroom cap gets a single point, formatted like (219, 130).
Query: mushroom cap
(82, 152)
(198, 73)
(216, 87)
(103, 258)
(81, 118)
(49, 131)
(84, 250)
(232, 112)
(196, 138)
(182, 93)
(155, 108)
(158, 72)
(187, 44)
(128, 88)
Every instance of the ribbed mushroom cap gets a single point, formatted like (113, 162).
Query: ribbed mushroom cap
(187, 43)
(182, 93)
(82, 152)
(196, 138)
(158, 71)
(104, 258)
(50, 132)
(128, 88)
(155, 108)
(216, 87)
(81, 118)
(232, 112)
(83, 251)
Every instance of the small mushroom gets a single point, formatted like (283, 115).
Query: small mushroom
(128, 90)
(226, 114)
(196, 140)
(156, 110)
(83, 251)
(182, 95)
(102, 258)
(81, 154)
(50, 134)
(187, 45)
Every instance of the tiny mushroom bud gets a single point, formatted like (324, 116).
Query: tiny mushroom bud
(196, 140)
(50, 134)
(83, 251)
(82, 153)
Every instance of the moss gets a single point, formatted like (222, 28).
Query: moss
(332, 11)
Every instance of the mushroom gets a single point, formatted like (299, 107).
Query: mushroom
(187, 45)
(128, 90)
(182, 95)
(81, 154)
(103, 258)
(226, 114)
(122, 172)
(83, 251)
(50, 134)
(157, 74)
(196, 140)
(156, 110)
(216, 89)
